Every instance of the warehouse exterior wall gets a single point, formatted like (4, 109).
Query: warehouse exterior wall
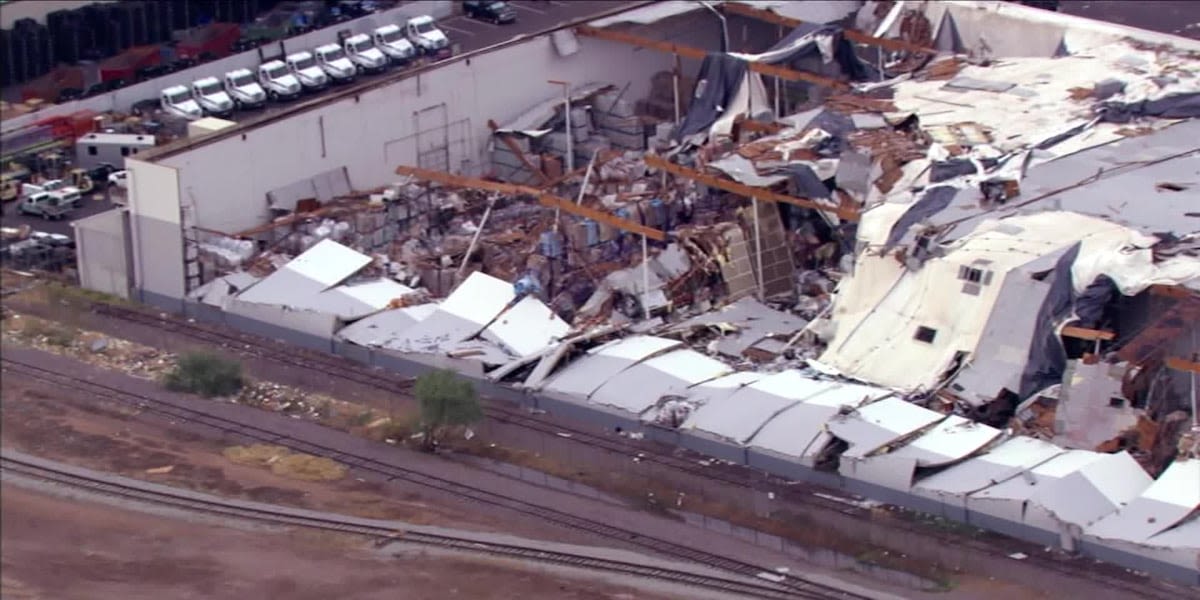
(154, 230)
(103, 253)
(435, 119)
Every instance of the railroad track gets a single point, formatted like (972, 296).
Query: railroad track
(348, 370)
(797, 587)
(112, 486)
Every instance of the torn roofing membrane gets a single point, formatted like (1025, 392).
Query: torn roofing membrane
(951, 440)
(1001, 463)
(741, 415)
(381, 329)
(1166, 503)
(639, 387)
(877, 424)
(585, 374)
(526, 328)
(800, 430)
(1095, 490)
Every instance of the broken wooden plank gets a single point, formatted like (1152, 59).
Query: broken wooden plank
(698, 54)
(1083, 333)
(858, 37)
(1180, 364)
(542, 198)
(657, 162)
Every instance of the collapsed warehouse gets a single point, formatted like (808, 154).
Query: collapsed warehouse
(863, 266)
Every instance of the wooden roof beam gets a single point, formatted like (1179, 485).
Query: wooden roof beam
(658, 162)
(542, 197)
(858, 37)
(699, 54)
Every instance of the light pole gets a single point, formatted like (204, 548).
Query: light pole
(570, 134)
(724, 26)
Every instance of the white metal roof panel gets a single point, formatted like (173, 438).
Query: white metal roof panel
(479, 298)
(584, 375)
(741, 414)
(1008, 498)
(380, 329)
(377, 294)
(1167, 502)
(639, 387)
(951, 440)
(1001, 463)
(1095, 490)
(328, 263)
(1185, 536)
(879, 423)
(800, 430)
(636, 348)
(527, 327)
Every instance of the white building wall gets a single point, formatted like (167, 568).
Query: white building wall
(378, 130)
(103, 253)
(155, 232)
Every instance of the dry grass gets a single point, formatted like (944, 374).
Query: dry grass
(282, 462)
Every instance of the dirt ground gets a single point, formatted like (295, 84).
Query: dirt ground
(55, 549)
(47, 422)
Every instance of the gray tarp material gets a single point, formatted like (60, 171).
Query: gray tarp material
(1047, 358)
(1177, 106)
(957, 167)
(720, 76)
(805, 183)
(1068, 134)
(835, 124)
(935, 200)
(1090, 305)
(843, 50)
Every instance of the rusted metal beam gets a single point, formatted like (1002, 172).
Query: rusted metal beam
(699, 54)
(512, 146)
(858, 37)
(1083, 333)
(657, 162)
(542, 197)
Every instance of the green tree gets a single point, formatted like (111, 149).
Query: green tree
(446, 400)
(206, 374)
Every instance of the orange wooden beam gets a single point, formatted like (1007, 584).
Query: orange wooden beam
(542, 197)
(1180, 364)
(858, 37)
(697, 53)
(658, 162)
(1083, 333)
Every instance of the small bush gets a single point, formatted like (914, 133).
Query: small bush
(206, 374)
(53, 333)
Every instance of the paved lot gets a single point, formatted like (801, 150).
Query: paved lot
(90, 205)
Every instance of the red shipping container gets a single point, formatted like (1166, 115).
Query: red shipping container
(125, 65)
(49, 85)
(216, 39)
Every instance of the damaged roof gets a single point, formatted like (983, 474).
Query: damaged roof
(1171, 499)
(639, 386)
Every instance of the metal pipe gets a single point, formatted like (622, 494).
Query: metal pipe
(586, 176)
(475, 238)
(645, 278)
(570, 134)
(724, 26)
(758, 249)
